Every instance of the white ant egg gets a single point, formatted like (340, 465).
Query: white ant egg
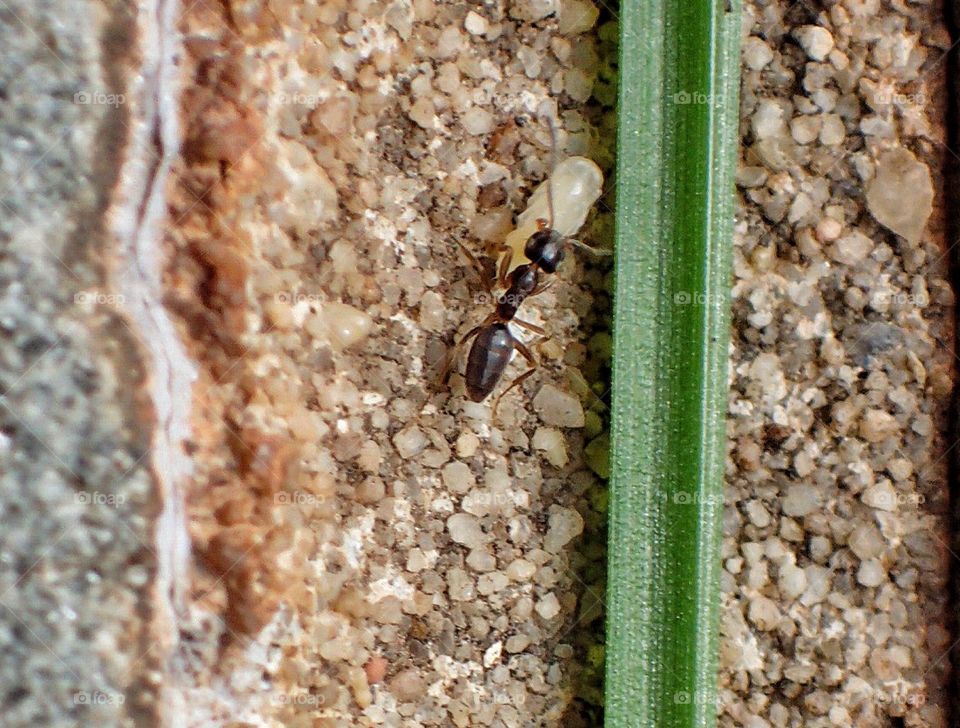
(575, 184)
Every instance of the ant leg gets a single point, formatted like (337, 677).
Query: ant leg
(529, 327)
(482, 272)
(514, 383)
(541, 287)
(503, 272)
(525, 352)
(589, 248)
(531, 360)
(451, 356)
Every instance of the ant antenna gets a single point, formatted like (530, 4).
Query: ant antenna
(553, 166)
(554, 146)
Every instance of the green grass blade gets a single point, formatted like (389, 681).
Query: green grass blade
(679, 64)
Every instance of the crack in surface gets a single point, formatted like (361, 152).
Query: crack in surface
(153, 144)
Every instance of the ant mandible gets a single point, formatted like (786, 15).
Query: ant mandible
(495, 343)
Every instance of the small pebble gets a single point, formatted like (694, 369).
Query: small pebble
(533, 10)
(852, 248)
(801, 500)
(866, 541)
(565, 524)
(578, 84)
(465, 529)
(432, 310)
(450, 42)
(422, 113)
(577, 16)
(478, 121)
(764, 613)
(408, 686)
(481, 560)
(829, 229)
(521, 570)
(518, 642)
(467, 444)
(345, 325)
(816, 41)
(558, 408)
(877, 425)
(457, 477)
(548, 607)
(759, 516)
(751, 176)
(460, 585)
(416, 560)
(805, 129)
(871, 573)
(818, 585)
(832, 130)
(488, 584)
(371, 490)
(757, 54)
(475, 23)
(552, 444)
(881, 496)
(900, 468)
(410, 441)
(376, 669)
(492, 654)
(900, 195)
(768, 120)
(792, 581)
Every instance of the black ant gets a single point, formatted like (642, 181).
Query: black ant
(495, 343)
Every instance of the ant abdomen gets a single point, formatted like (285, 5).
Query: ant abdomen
(489, 356)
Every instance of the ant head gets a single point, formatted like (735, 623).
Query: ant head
(545, 248)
